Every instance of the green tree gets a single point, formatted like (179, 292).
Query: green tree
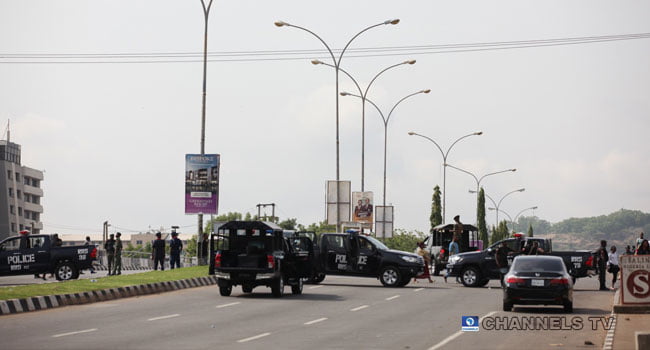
(404, 240)
(501, 232)
(321, 227)
(530, 230)
(480, 217)
(289, 224)
(436, 209)
(190, 247)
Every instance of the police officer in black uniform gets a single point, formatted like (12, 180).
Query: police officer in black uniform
(601, 260)
(109, 247)
(175, 247)
(158, 252)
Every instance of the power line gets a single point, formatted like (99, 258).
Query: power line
(289, 55)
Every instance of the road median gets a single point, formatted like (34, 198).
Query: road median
(45, 296)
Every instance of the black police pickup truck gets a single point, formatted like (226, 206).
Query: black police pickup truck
(256, 253)
(476, 269)
(35, 254)
(437, 244)
(352, 254)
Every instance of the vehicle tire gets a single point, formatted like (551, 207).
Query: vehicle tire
(484, 282)
(568, 307)
(225, 290)
(390, 276)
(318, 278)
(507, 306)
(65, 271)
(573, 279)
(277, 288)
(246, 289)
(297, 288)
(470, 277)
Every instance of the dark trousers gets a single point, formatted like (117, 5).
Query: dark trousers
(111, 258)
(174, 259)
(601, 276)
(161, 260)
(614, 271)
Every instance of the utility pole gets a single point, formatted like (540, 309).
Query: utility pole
(105, 236)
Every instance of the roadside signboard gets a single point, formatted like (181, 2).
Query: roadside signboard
(343, 198)
(201, 183)
(363, 207)
(635, 279)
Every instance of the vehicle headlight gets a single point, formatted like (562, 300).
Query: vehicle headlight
(455, 259)
(410, 259)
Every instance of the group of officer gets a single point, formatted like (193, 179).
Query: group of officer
(113, 248)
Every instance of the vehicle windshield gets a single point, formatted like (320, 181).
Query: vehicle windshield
(538, 265)
(377, 243)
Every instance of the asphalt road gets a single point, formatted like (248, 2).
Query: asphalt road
(340, 313)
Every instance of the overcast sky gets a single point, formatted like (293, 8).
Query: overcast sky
(111, 137)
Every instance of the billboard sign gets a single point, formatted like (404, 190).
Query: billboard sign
(344, 202)
(635, 279)
(201, 183)
(363, 207)
(384, 221)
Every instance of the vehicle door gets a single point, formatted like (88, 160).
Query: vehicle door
(11, 257)
(41, 253)
(302, 251)
(367, 261)
(335, 253)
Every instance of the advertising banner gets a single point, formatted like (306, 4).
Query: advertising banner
(201, 183)
(635, 279)
(363, 207)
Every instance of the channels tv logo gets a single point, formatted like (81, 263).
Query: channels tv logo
(469, 323)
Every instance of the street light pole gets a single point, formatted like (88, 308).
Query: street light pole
(206, 15)
(478, 180)
(363, 95)
(516, 216)
(444, 169)
(386, 120)
(503, 211)
(337, 64)
(504, 197)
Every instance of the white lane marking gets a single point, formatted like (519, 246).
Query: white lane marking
(393, 297)
(73, 333)
(229, 304)
(359, 308)
(316, 321)
(456, 335)
(314, 287)
(163, 317)
(417, 290)
(253, 338)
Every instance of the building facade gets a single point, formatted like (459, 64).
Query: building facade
(20, 193)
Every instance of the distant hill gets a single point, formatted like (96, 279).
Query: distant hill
(620, 228)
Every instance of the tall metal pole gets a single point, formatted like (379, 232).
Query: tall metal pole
(444, 170)
(504, 197)
(337, 64)
(386, 120)
(206, 14)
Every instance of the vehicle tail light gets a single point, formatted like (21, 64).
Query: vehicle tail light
(514, 280)
(270, 261)
(559, 281)
(93, 253)
(442, 252)
(217, 260)
(590, 262)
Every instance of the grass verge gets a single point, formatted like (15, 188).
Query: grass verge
(86, 285)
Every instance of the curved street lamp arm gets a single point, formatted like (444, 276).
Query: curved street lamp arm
(206, 10)
(400, 101)
(344, 72)
(494, 173)
(502, 211)
(490, 198)
(531, 208)
(507, 194)
(280, 24)
(378, 110)
(462, 137)
(380, 73)
(465, 171)
(359, 33)
(434, 142)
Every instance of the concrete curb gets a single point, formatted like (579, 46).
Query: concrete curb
(14, 306)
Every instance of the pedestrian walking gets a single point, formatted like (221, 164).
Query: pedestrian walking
(453, 249)
(109, 247)
(427, 262)
(644, 248)
(175, 248)
(601, 263)
(612, 265)
(88, 244)
(501, 258)
(158, 252)
(117, 265)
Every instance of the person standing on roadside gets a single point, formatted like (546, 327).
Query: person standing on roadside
(628, 250)
(639, 241)
(453, 249)
(109, 247)
(601, 262)
(502, 259)
(612, 265)
(158, 252)
(88, 244)
(175, 247)
(644, 248)
(204, 249)
(117, 266)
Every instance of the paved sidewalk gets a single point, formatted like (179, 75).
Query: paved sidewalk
(626, 327)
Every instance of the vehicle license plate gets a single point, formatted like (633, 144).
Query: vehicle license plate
(537, 283)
